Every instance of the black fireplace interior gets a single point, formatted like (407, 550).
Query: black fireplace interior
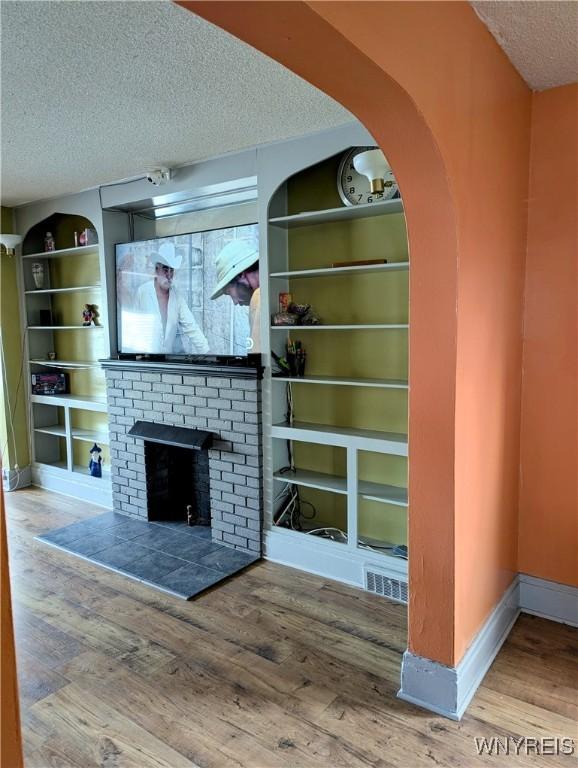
(177, 484)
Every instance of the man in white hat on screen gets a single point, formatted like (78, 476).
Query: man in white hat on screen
(238, 276)
(164, 312)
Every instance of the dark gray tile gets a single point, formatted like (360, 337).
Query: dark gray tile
(158, 537)
(200, 531)
(227, 560)
(189, 580)
(130, 529)
(121, 555)
(154, 565)
(190, 548)
(93, 543)
(104, 522)
(64, 536)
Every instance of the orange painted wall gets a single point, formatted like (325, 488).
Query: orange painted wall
(432, 85)
(548, 543)
(478, 109)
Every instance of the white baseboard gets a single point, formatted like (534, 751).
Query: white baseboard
(82, 487)
(14, 479)
(327, 558)
(557, 602)
(448, 690)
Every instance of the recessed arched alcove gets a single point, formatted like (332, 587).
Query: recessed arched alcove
(339, 489)
(66, 230)
(61, 276)
(301, 39)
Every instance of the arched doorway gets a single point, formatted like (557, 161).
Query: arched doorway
(297, 35)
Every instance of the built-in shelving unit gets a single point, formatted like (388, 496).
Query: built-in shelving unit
(55, 287)
(338, 434)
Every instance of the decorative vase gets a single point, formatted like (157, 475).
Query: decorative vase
(38, 275)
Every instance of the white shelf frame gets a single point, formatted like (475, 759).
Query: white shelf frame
(65, 328)
(72, 364)
(76, 402)
(344, 327)
(81, 250)
(348, 381)
(345, 213)
(301, 274)
(71, 289)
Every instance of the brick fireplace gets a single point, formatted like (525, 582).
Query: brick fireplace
(224, 402)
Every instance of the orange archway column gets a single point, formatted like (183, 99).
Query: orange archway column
(299, 38)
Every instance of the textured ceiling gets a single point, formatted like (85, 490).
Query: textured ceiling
(94, 92)
(540, 38)
(97, 91)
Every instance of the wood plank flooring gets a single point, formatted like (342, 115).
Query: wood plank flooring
(274, 668)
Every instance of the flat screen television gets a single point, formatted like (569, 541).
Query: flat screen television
(194, 295)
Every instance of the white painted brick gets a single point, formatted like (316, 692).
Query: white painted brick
(237, 540)
(172, 378)
(206, 392)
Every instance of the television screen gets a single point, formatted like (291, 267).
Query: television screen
(194, 294)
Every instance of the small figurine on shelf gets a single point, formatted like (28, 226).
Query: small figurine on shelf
(38, 274)
(296, 357)
(49, 244)
(95, 463)
(89, 315)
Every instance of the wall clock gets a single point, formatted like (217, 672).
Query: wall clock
(354, 188)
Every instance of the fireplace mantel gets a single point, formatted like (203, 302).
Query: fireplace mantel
(192, 369)
(167, 434)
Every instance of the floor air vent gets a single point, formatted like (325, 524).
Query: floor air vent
(385, 586)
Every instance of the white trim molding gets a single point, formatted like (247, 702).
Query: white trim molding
(448, 690)
(14, 479)
(548, 599)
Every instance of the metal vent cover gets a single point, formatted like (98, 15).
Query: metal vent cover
(380, 584)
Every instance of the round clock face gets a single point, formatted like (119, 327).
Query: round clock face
(354, 188)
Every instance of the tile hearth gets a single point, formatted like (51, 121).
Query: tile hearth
(170, 556)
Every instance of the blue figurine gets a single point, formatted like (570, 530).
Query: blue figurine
(95, 463)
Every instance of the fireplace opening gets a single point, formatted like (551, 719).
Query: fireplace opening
(178, 487)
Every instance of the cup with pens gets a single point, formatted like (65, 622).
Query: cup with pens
(296, 357)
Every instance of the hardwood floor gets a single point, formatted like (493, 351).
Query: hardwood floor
(272, 668)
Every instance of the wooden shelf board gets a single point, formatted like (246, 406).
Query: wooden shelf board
(345, 213)
(78, 251)
(66, 363)
(309, 479)
(383, 442)
(80, 402)
(57, 430)
(345, 381)
(72, 289)
(387, 494)
(65, 328)
(343, 327)
(77, 469)
(90, 436)
(299, 274)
